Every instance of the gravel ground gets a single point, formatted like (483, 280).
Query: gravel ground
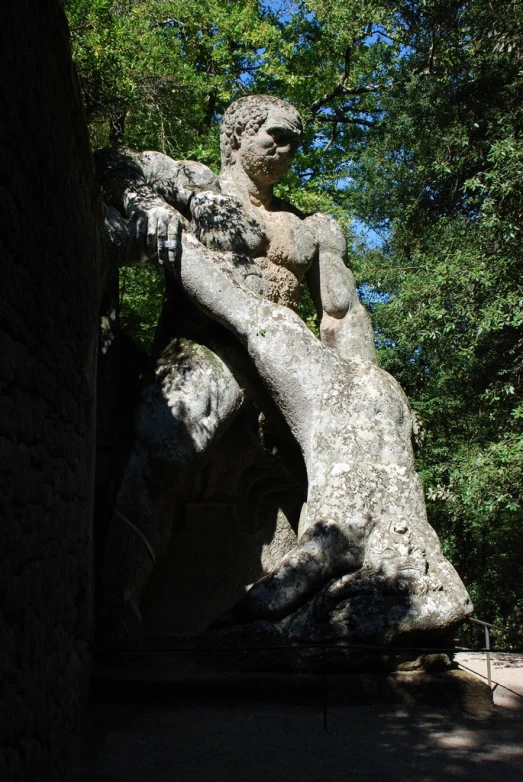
(507, 675)
(197, 740)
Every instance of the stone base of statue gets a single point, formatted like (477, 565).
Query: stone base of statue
(205, 669)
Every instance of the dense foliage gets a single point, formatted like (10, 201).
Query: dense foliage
(443, 176)
(415, 144)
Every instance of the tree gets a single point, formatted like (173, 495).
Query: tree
(442, 175)
(157, 74)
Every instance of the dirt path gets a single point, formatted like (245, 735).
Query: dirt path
(507, 675)
(245, 741)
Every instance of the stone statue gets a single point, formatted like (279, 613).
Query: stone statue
(366, 565)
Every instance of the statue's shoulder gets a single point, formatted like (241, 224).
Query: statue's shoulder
(319, 220)
(159, 171)
(186, 173)
(327, 231)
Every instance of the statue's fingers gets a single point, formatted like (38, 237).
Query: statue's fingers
(152, 235)
(140, 229)
(162, 232)
(174, 227)
(162, 227)
(324, 552)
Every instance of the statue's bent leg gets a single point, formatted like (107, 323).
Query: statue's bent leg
(388, 574)
(182, 412)
(352, 421)
(296, 368)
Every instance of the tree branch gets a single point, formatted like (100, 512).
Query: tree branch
(333, 137)
(340, 89)
(318, 104)
(347, 56)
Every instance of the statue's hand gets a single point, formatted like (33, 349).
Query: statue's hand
(158, 230)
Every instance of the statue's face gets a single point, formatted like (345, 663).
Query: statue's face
(266, 155)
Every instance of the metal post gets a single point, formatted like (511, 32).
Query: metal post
(487, 648)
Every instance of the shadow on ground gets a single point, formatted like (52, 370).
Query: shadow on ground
(196, 740)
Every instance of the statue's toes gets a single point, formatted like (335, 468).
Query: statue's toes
(323, 553)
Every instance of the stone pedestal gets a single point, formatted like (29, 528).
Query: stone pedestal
(177, 677)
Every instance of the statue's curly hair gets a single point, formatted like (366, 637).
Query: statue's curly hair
(247, 115)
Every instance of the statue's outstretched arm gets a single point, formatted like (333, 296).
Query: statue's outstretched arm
(345, 324)
(153, 192)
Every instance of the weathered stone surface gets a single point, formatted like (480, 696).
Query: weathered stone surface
(367, 564)
(50, 216)
(366, 536)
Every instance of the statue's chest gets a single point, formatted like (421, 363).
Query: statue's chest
(291, 243)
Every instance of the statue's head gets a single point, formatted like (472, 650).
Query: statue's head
(261, 134)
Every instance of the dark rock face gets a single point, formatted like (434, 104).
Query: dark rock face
(51, 216)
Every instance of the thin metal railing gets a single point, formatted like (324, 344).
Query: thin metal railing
(337, 644)
(487, 626)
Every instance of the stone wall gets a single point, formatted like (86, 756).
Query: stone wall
(50, 216)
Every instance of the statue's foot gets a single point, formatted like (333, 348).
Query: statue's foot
(368, 606)
(378, 608)
(325, 551)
